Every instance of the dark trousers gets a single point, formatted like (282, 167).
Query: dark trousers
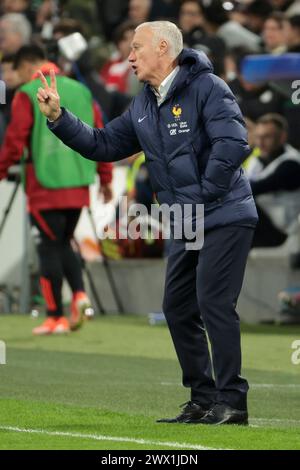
(201, 292)
(57, 258)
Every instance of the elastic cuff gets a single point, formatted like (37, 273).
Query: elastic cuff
(53, 124)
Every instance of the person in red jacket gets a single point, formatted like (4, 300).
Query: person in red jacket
(116, 72)
(53, 212)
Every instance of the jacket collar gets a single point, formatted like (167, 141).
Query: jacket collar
(192, 63)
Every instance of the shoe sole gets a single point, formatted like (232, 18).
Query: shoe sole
(196, 421)
(82, 317)
(223, 423)
(42, 334)
(63, 332)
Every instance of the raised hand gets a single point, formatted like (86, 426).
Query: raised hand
(48, 97)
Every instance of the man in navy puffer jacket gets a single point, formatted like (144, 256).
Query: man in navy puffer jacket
(187, 122)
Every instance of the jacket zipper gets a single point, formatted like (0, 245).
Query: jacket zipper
(163, 152)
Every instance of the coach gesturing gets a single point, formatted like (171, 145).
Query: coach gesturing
(187, 122)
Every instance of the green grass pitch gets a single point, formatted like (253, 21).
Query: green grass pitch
(104, 386)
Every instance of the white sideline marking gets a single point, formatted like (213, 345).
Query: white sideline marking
(169, 384)
(96, 437)
(275, 420)
(275, 385)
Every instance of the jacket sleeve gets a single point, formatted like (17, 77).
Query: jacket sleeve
(117, 140)
(104, 169)
(227, 133)
(17, 135)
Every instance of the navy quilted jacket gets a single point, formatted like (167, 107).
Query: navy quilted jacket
(194, 143)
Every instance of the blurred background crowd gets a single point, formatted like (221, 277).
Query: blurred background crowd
(226, 31)
(89, 41)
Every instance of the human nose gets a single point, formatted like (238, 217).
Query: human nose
(131, 57)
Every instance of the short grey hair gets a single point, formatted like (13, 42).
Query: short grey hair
(19, 24)
(167, 31)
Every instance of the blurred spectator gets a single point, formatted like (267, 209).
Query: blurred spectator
(8, 74)
(237, 12)
(164, 9)
(273, 33)
(191, 22)
(275, 181)
(139, 10)
(2, 128)
(112, 103)
(45, 12)
(254, 100)
(12, 81)
(15, 31)
(117, 73)
(217, 21)
(292, 33)
(281, 90)
(67, 26)
(18, 6)
(138, 185)
(190, 17)
(111, 13)
(255, 151)
(282, 5)
(256, 14)
(14, 6)
(55, 194)
(138, 191)
(294, 9)
(83, 11)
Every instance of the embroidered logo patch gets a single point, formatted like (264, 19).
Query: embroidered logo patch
(177, 111)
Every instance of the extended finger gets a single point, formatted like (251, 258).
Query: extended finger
(43, 80)
(53, 80)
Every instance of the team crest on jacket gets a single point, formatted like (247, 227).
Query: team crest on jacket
(179, 126)
(177, 111)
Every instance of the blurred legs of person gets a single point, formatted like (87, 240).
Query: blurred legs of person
(57, 259)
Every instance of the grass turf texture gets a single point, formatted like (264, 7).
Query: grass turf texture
(117, 375)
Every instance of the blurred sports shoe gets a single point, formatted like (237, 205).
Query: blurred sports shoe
(52, 325)
(62, 326)
(81, 308)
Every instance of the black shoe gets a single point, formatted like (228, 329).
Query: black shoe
(191, 413)
(224, 414)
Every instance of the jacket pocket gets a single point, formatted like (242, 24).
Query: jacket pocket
(195, 161)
